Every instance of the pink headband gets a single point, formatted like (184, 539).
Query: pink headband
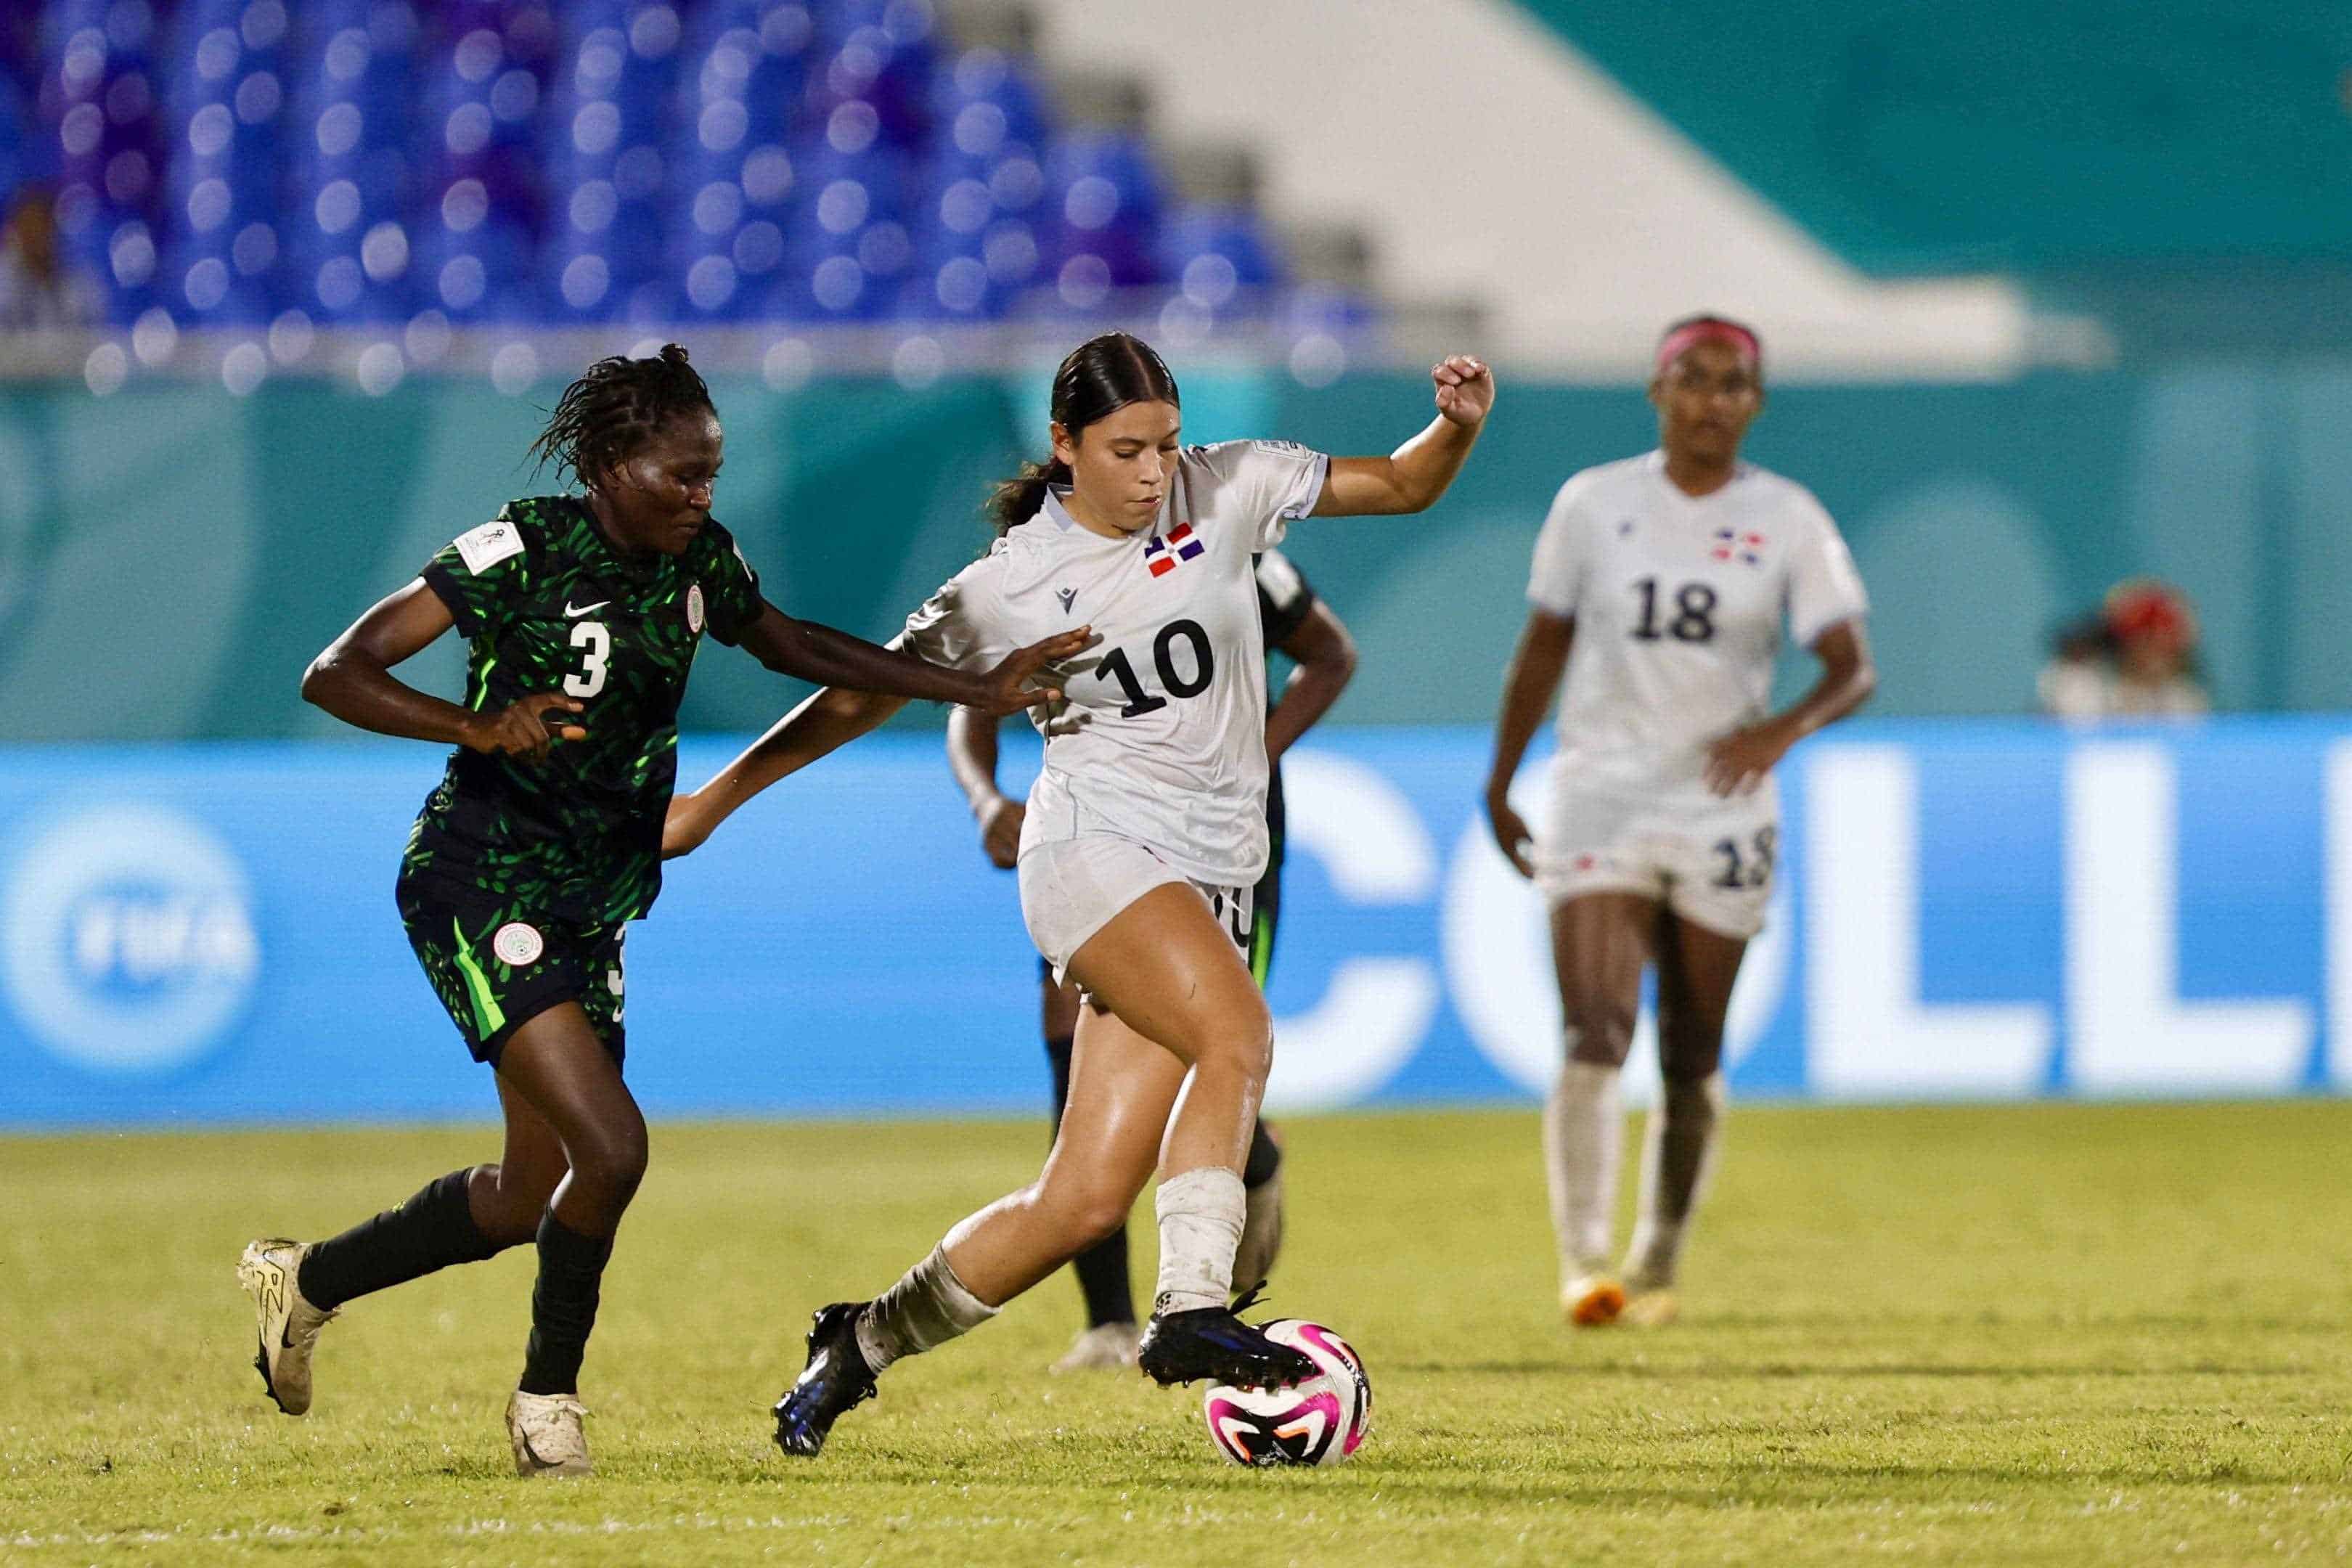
(1680, 341)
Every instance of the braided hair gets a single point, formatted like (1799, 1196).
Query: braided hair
(1102, 376)
(616, 407)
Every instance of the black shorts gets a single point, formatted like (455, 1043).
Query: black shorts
(495, 966)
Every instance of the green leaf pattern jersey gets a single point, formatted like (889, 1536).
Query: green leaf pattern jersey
(547, 605)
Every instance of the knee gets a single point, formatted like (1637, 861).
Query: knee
(1688, 1055)
(613, 1160)
(1597, 1029)
(1241, 1045)
(1696, 1099)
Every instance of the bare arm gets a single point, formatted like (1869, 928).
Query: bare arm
(972, 753)
(353, 679)
(1326, 659)
(1527, 690)
(828, 721)
(1738, 761)
(828, 657)
(1411, 478)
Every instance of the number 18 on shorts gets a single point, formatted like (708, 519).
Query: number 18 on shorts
(1712, 865)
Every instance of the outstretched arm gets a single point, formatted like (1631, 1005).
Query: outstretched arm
(828, 721)
(353, 679)
(1738, 761)
(1528, 691)
(828, 657)
(972, 753)
(1326, 658)
(1411, 478)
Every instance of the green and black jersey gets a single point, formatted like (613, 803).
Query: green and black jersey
(549, 605)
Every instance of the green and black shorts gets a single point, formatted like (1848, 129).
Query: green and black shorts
(496, 966)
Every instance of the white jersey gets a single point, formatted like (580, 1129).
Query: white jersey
(1678, 602)
(1162, 736)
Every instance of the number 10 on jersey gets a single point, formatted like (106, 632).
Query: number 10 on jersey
(1115, 668)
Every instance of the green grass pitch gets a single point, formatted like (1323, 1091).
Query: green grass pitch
(2051, 1335)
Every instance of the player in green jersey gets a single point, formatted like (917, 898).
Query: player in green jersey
(583, 614)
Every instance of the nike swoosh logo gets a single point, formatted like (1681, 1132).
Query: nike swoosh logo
(572, 609)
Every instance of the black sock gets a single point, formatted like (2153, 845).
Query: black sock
(430, 1231)
(562, 1306)
(1102, 1268)
(1264, 1159)
(1102, 1275)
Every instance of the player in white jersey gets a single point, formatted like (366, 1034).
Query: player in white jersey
(1294, 619)
(1670, 576)
(1144, 833)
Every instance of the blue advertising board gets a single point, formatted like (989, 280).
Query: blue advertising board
(204, 933)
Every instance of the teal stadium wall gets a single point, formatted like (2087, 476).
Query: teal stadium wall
(170, 557)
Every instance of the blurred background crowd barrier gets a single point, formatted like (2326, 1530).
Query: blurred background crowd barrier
(170, 558)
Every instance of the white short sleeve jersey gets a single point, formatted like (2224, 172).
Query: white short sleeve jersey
(1679, 602)
(1162, 735)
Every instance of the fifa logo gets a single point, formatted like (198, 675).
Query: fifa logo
(128, 944)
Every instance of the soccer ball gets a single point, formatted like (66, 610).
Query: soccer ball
(1319, 1422)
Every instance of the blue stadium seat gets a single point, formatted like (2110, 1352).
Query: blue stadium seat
(586, 160)
(878, 52)
(17, 139)
(1221, 258)
(1103, 227)
(981, 100)
(97, 71)
(225, 110)
(473, 257)
(605, 148)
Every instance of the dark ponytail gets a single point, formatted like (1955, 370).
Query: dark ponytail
(616, 407)
(1102, 376)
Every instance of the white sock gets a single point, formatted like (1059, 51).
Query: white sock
(927, 1308)
(1677, 1154)
(1201, 1215)
(1583, 1126)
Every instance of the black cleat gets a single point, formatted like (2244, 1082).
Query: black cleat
(835, 1381)
(1215, 1343)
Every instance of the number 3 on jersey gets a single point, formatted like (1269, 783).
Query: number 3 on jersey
(1115, 668)
(598, 642)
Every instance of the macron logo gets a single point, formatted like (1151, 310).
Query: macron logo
(1068, 596)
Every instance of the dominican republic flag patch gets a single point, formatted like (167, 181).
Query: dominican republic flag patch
(1729, 542)
(1162, 554)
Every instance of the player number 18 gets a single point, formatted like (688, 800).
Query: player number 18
(1694, 616)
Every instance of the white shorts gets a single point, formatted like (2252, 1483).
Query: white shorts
(1711, 864)
(1070, 889)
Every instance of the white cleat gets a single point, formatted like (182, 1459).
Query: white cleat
(1106, 1347)
(1261, 1241)
(288, 1325)
(547, 1436)
(1652, 1308)
(1592, 1300)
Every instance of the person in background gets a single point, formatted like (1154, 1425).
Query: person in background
(36, 294)
(1660, 587)
(2136, 659)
